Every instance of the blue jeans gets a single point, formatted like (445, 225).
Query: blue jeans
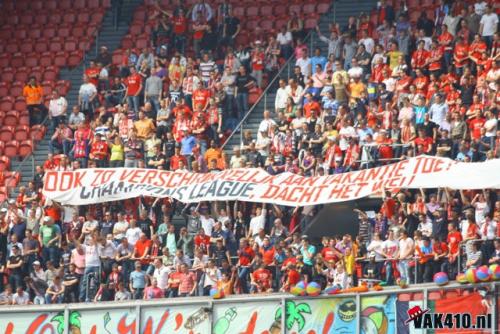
(48, 299)
(404, 270)
(155, 102)
(84, 283)
(388, 273)
(179, 43)
(133, 102)
(55, 121)
(243, 276)
(242, 103)
(50, 254)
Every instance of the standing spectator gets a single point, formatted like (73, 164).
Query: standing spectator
(134, 88)
(57, 109)
(153, 92)
(138, 280)
(244, 82)
(406, 249)
(33, 94)
(187, 282)
(488, 25)
(49, 238)
(87, 98)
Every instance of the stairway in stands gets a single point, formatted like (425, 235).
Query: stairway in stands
(107, 36)
(339, 12)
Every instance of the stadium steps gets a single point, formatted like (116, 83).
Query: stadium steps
(339, 12)
(107, 36)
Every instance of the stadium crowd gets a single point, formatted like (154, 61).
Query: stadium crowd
(382, 93)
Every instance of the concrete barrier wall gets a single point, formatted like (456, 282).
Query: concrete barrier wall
(383, 312)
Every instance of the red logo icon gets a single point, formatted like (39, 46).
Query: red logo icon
(414, 313)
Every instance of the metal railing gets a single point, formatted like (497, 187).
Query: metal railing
(309, 38)
(140, 307)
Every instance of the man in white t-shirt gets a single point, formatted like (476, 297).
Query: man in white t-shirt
(207, 222)
(120, 228)
(258, 222)
(406, 249)
(21, 297)
(305, 66)
(488, 25)
(161, 274)
(57, 108)
(92, 266)
(133, 233)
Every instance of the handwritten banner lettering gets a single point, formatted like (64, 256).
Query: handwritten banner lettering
(88, 186)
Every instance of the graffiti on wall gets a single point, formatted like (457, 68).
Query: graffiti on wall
(188, 319)
(246, 318)
(302, 316)
(338, 315)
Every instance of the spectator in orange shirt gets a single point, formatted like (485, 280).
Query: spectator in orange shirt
(33, 94)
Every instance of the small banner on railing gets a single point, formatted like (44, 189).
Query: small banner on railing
(88, 186)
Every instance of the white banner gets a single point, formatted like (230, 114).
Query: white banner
(88, 186)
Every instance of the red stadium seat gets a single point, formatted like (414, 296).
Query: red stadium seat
(26, 19)
(41, 45)
(83, 17)
(50, 73)
(295, 8)
(7, 74)
(22, 74)
(26, 148)
(7, 103)
(309, 8)
(6, 133)
(50, 4)
(75, 58)
(136, 28)
(37, 132)
(252, 11)
(64, 4)
(127, 42)
(49, 31)
(97, 17)
(4, 89)
(142, 42)
(63, 87)
(20, 33)
(64, 31)
(83, 44)
(60, 59)
(2, 146)
(55, 18)
(6, 33)
(47, 87)
(239, 11)
(78, 31)
(24, 118)
(4, 163)
(27, 46)
(12, 46)
(11, 149)
(310, 23)
(31, 59)
(322, 8)
(69, 17)
(11, 118)
(266, 24)
(16, 89)
(41, 18)
(56, 44)
(20, 103)
(37, 73)
(70, 44)
(17, 60)
(79, 4)
(22, 132)
(266, 10)
(4, 60)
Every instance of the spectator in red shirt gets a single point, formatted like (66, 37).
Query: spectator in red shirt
(177, 158)
(134, 88)
(200, 96)
(99, 151)
(202, 241)
(141, 250)
(261, 280)
(245, 257)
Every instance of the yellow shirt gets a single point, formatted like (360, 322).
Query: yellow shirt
(356, 88)
(393, 58)
(117, 152)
